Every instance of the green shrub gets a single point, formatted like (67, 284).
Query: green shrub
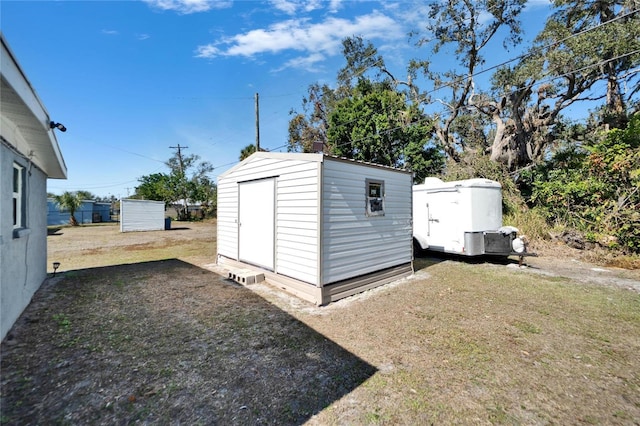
(596, 190)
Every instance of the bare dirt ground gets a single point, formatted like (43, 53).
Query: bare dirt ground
(144, 328)
(556, 259)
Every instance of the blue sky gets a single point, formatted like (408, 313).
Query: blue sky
(129, 79)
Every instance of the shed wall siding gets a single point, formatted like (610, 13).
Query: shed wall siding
(354, 244)
(296, 226)
(57, 217)
(227, 233)
(141, 215)
(103, 210)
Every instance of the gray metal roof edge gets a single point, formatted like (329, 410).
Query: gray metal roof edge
(139, 201)
(317, 157)
(366, 163)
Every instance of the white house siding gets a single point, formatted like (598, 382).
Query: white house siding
(353, 243)
(23, 258)
(141, 215)
(296, 239)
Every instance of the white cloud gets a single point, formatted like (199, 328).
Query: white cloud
(308, 63)
(110, 32)
(317, 40)
(143, 36)
(312, 5)
(186, 7)
(334, 5)
(286, 6)
(208, 51)
(291, 7)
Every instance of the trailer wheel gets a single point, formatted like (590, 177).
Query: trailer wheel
(417, 249)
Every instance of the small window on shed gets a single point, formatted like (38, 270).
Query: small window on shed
(375, 197)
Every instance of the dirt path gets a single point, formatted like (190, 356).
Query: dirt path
(562, 261)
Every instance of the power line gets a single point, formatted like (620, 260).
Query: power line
(424, 95)
(110, 185)
(537, 84)
(134, 153)
(425, 119)
(237, 98)
(522, 56)
(550, 45)
(555, 43)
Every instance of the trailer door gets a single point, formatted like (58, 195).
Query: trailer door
(443, 215)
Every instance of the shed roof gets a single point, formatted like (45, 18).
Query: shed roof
(318, 157)
(24, 119)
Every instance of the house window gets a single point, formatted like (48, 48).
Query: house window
(18, 197)
(375, 197)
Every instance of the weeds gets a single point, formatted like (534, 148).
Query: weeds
(527, 327)
(64, 323)
(530, 222)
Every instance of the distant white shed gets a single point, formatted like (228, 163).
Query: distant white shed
(320, 227)
(141, 215)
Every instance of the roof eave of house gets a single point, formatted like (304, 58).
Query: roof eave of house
(25, 121)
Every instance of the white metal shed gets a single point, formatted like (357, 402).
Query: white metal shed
(141, 215)
(320, 227)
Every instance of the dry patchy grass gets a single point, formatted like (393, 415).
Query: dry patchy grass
(159, 338)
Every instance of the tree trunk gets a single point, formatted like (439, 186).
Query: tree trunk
(500, 140)
(615, 116)
(448, 146)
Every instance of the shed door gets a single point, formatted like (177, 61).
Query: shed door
(256, 222)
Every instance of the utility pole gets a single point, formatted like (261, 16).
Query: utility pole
(179, 148)
(185, 211)
(257, 124)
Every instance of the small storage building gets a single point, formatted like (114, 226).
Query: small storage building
(320, 227)
(141, 215)
(87, 213)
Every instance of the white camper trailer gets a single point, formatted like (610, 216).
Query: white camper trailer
(462, 217)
